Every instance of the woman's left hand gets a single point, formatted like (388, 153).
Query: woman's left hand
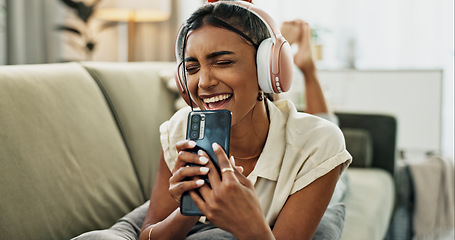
(231, 202)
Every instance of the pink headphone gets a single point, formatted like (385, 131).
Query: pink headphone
(273, 57)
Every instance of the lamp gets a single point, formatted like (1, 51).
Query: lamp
(132, 12)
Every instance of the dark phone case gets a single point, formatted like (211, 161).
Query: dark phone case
(217, 128)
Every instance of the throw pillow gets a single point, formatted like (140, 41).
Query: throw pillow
(332, 223)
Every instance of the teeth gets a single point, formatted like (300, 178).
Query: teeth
(216, 98)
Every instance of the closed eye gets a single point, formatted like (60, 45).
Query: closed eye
(191, 69)
(224, 62)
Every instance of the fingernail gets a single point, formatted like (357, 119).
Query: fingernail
(232, 160)
(192, 144)
(200, 152)
(204, 170)
(215, 146)
(203, 160)
(200, 182)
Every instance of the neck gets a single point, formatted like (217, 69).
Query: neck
(248, 136)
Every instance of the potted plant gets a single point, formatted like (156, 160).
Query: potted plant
(82, 28)
(317, 41)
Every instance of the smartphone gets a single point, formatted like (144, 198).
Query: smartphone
(206, 128)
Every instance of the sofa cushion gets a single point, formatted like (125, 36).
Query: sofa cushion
(383, 132)
(64, 168)
(140, 102)
(332, 223)
(369, 204)
(129, 226)
(360, 146)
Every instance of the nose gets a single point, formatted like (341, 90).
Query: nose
(206, 79)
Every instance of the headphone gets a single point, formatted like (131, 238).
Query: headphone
(273, 57)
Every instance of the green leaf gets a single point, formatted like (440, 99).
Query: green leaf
(83, 12)
(69, 29)
(70, 4)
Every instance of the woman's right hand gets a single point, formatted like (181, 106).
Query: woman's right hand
(185, 178)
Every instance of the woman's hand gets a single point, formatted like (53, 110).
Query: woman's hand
(185, 178)
(231, 202)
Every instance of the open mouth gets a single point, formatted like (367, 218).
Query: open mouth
(217, 102)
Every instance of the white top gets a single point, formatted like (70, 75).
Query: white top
(299, 149)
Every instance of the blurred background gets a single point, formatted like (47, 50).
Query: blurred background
(389, 56)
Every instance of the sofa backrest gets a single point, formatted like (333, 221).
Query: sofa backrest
(75, 153)
(382, 133)
(140, 101)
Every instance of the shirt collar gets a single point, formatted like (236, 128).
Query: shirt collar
(269, 162)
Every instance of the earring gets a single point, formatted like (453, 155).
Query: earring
(260, 96)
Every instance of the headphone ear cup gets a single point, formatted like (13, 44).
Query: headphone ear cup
(263, 62)
(274, 65)
(282, 62)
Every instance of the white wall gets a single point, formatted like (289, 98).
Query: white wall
(418, 120)
(388, 34)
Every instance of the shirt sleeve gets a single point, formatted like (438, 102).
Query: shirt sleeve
(330, 117)
(324, 151)
(171, 132)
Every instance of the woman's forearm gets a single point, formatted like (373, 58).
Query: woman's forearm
(175, 226)
(259, 232)
(314, 96)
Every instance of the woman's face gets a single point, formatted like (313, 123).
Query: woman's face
(221, 71)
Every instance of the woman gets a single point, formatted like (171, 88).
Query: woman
(285, 164)
(298, 32)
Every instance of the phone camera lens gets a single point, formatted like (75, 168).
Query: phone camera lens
(194, 126)
(194, 135)
(196, 118)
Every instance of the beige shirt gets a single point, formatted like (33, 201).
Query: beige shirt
(299, 149)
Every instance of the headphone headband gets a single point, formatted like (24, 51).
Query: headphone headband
(271, 25)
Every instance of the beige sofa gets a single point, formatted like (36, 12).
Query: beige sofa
(79, 144)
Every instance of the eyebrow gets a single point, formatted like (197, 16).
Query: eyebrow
(219, 53)
(210, 55)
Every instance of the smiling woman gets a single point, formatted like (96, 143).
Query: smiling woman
(232, 71)
(212, 73)
(284, 165)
